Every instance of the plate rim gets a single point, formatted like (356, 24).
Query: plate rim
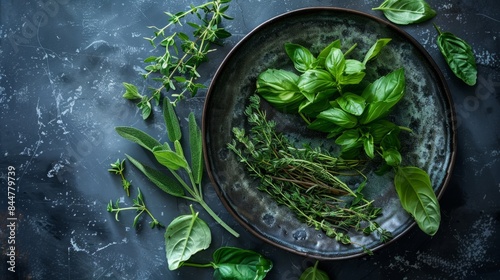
(434, 67)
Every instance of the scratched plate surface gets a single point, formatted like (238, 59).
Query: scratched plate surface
(425, 109)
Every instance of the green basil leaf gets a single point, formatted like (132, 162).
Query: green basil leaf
(313, 273)
(459, 56)
(392, 157)
(352, 103)
(195, 144)
(353, 66)
(137, 136)
(314, 81)
(131, 92)
(326, 51)
(169, 159)
(185, 236)
(369, 146)
(348, 137)
(234, 263)
(173, 128)
(382, 95)
(417, 197)
(335, 63)
(379, 129)
(317, 105)
(162, 181)
(391, 140)
(406, 11)
(339, 117)
(301, 57)
(280, 89)
(375, 49)
(325, 126)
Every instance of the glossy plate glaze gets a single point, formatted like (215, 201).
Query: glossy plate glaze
(426, 109)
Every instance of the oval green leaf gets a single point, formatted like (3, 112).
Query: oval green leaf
(406, 11)
(235, 263)
(301, 57)
(137, 136)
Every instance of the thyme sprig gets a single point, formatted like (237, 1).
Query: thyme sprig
(138, 205)
(305, 179)
(176, 68)
(118, 167)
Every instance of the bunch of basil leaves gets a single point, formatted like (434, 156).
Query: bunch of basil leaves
(324, 93)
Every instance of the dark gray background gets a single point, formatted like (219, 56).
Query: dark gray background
(62, 65)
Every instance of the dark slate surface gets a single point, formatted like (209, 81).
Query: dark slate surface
(62, 65)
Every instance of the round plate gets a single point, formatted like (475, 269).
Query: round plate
(426, 109)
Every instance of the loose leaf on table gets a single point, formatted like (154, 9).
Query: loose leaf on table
(406, 11)
(313, 273)
(162, 181)
(279, 88)
(138, 136)
(131, 92)
(458, 55)
(235, 263)
(417, 197)
(301, 57)
(185, 236)
(195, 144)
(171, 121)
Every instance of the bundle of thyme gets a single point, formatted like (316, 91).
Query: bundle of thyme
(306, 180)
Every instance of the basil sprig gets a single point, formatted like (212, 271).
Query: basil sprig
(406, 11)
(458, 55)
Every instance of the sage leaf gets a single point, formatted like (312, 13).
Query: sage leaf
(301, 57)
(170, 159)
(162, 181)
(417, 197)
(131, 92)
(236, 263)
(195, 144)
(137, 136)
(185, 236)
(459, 56)
(280, 89)
(375, 49)
(173, 128)
(313, 273)
(406, 11)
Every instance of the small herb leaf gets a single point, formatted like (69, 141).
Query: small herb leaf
(302, 58)
(137, 136)
(131, 92)
(173, 127)
(313, 273)
(195, 143)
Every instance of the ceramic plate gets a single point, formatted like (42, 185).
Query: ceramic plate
(426, 109)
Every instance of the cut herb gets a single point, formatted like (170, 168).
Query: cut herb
(322, 94)
(313, 273)
(139, 206)
(459, 56)
(118, 167)
(406, 11)
(305, 179)
(176, 68)
(187, 182)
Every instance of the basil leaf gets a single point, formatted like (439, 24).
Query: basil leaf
(326, 51)
(339, 117)
(137, 136)
(325, 126)
(235, 263)
(301, 57)
(131, 92)
(195, 144)
(406, 11)
(313, 273)
(162, 181)
(185, 236)
(173, 128)
(348, 137)
(369, 146)
(316, 80)
(335, 63)
(392, 157)
(459, 56)
(352, 103)
(382, 95)
(318, 104)
(375, 49)
(417, 197)
(279, 88)
(379, 129)
(391, 140)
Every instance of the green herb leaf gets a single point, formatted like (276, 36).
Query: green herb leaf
(185, 236)
(314, 81)
(392, 157)
(375, 49)
(326, 51)
(137, 136)
(173, 128)
(339, 117)
(195, 143)
(301, 57)
(417, 197)
(235, 263)
(170, 159)
(335, 63)
(458, 55)
(368, 146)
(279, 88)
(162, 181)
(406, 11)
(352, 103)
(382, 95)
(313, 273)
(131, 92)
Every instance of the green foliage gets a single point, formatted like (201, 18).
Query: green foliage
(406, 11)
(459, 56)
(313, 273)
(235, 263)
(138, 205)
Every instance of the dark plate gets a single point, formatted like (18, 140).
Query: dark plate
(426, 109)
